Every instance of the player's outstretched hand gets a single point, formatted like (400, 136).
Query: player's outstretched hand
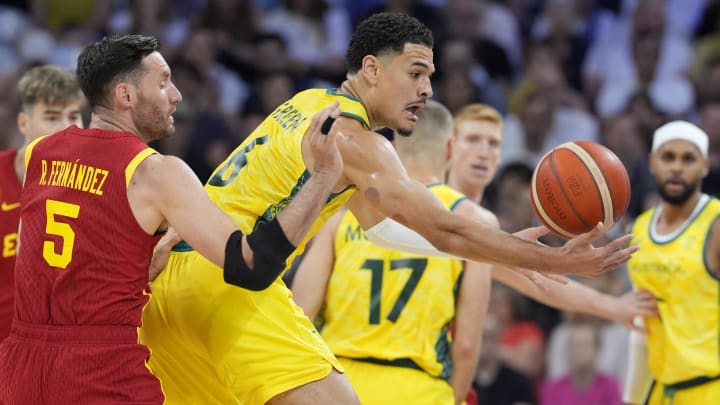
(539, 279)
(162, 253)
(640, 303)
(323, 135)
(581, 258)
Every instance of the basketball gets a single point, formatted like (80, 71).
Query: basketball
(578, 184)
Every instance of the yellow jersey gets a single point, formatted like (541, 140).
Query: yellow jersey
(262, 175)
(683, 342)
(391, 307)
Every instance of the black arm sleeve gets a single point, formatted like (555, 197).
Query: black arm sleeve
(271, 249)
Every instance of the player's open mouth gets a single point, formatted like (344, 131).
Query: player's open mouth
(674, 185)
(412, 110)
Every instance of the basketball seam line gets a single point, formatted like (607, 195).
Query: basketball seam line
(604, 192)
(562, 185)
(541, 210)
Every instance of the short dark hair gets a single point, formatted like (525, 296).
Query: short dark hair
(105, 63)
(384, 32)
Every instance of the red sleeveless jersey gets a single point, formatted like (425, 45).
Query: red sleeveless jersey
(83, 258)
(9, 217)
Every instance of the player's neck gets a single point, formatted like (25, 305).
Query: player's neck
(673, 215)
(19, 162)
(351, 88)
(347, 88)
(109, 120)
(472, 192)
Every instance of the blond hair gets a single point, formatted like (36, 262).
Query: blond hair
(478, 112)
(49, 84)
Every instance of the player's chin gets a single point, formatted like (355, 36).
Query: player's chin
(166, 132)
(405, 130)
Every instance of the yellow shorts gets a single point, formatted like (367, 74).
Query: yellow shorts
(707, 393)
(377, 384)
(213, 343)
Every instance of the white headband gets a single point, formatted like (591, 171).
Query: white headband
(681, 130)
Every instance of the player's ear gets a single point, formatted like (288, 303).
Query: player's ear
(22, 122)
(370, 68)
(124, 94)
(449, 152)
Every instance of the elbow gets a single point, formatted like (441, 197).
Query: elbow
(466, 349)
(267, 267)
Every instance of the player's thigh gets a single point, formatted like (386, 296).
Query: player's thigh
(175, 328)
(334, 389)
(100, 374)
(380, 385)
(264, 345)
(260, 343)
(21, 367)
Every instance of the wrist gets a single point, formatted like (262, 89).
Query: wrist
(326, 176)
(325, 180)
(601, 305)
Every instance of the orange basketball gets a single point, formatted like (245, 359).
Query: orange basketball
(577, 185)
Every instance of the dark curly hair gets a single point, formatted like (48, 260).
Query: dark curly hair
(384, 32)
(113, 59)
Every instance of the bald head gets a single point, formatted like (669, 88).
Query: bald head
(429, 141)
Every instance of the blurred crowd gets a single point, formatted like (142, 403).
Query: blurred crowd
(609, 71)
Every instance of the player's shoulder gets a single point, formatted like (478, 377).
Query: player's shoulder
(470, 209)
(156, 169)
(333, 223)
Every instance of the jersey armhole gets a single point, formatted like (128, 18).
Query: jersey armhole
(29, 149)
(135, 162)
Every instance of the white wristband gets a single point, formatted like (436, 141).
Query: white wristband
(391, 234)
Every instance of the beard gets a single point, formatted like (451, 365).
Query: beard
(404, 132)
(677, 199)
(152, 123)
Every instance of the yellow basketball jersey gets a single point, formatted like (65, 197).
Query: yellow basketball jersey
(683, 343)
(264, 173)
(391, 307)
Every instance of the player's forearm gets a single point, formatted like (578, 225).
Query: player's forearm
(478, 242)
(572, 296)
(464, 362)
(297, 218)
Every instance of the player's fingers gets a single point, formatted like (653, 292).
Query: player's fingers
(646, 302)
(333, 111)
(314, 126)
(538, 281)
(637, 328)
(593, 234)
(619, 257)
(619, 243)
(532, 233)
(333, 133)
(557, 278)
(538, 231)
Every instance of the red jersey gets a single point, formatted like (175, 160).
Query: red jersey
(83, 258)
(9, 217)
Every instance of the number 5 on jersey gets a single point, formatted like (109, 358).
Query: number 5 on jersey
(56, 210)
